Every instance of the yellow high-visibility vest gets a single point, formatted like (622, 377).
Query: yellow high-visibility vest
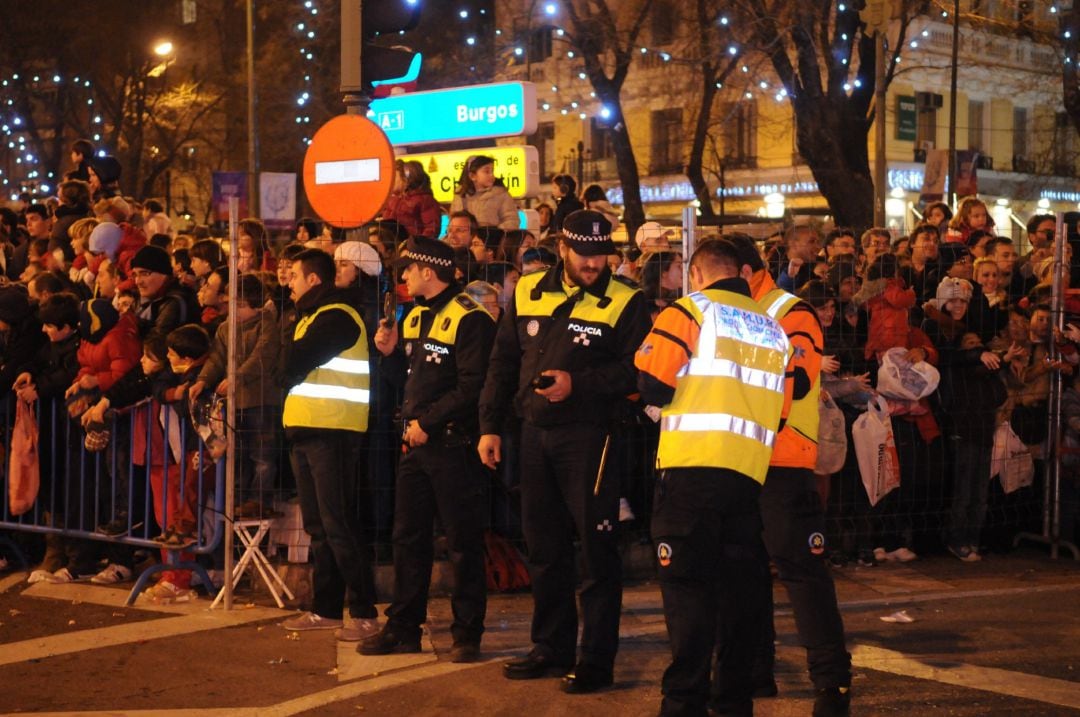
(797, 443)
(729, 398)
(336, 394)
(445, 324)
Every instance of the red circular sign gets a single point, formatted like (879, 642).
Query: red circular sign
(348, 171)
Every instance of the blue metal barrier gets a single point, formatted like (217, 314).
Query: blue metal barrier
(82, 491)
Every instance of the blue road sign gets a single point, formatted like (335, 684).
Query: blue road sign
(503, 109)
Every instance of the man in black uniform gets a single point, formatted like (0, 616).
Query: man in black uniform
(446, 340)
(563, 356)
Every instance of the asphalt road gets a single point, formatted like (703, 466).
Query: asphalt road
(997, 637)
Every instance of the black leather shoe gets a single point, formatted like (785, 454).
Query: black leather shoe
(833, 702)
(389, 642)
(587, 678)
(533, 666)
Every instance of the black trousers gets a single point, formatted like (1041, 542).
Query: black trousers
(327, 468)
(443, 479)
(558, 472)
(795, 539)
(706, 525)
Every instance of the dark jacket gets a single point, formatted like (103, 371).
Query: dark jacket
(598, 357)
(56, 367)
(22, 347)
(172, 308)
(970, 394)
(564, 206)
(66, 215)
(446, 391)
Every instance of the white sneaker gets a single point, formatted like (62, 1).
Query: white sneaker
(625, 513)
(111, 575)
(63, 575)
(901, 555)
(38, 576)
(311, 621)
(358, 630)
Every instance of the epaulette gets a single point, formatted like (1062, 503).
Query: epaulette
(466, 301)
(625, 281)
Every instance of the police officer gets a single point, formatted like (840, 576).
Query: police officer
(446, 339)
(563, 356)
(715, 364)
(791, 507)
(325, 417)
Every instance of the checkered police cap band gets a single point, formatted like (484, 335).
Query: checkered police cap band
(426, 258)
(586, 237)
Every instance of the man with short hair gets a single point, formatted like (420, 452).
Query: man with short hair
(441, 360)
(791, 509)
(563, 357)
(1002, 251)
(326, 376)
(714, 363)
(1041, 229)
(922, 274)
(802, 244)
(839, 242)
(460, 229)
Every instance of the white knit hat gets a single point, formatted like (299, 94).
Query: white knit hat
(361, 254)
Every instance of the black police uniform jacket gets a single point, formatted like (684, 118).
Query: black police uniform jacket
(445, 343)
(591, 333)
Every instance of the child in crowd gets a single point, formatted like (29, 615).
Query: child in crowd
(480, 194)
(972, 215)
(888, 302)
(258, 395)
(57, 364)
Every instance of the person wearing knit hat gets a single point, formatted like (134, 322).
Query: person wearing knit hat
(953, 296)
(360, 255)
(96, 318)
(955, 260)
(153, 259)
(105, 239)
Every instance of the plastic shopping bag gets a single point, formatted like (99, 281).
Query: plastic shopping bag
(1011, 460)
(875, 449)
(900, 378)
(24, 478)
(832, 441)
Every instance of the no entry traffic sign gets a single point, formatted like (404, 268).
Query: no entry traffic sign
(348, 171)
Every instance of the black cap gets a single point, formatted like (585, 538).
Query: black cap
(425, 251)
(588, 233)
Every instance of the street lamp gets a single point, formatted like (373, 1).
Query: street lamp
(163, 48)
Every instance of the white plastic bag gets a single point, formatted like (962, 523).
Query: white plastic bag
(832, 441)
(899, 378)
(875, 448)
(1011, 460)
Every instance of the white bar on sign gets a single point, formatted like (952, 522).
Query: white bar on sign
(347, 170)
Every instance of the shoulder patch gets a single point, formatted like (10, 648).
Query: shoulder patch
(415, 321)
(466, 301)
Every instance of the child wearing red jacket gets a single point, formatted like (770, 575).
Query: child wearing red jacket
(888, 302)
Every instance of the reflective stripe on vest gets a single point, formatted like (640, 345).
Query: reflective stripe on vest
(730, 396)
(336, 394)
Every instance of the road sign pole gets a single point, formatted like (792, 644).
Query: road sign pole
(352, 42)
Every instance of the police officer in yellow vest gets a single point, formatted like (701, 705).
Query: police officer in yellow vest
(563, 357)
(791, 509)
(715, 364)
(441, 360)
(327, 377)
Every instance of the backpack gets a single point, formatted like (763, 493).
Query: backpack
(503, 564)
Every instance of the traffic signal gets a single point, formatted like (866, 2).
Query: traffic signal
(383, 61)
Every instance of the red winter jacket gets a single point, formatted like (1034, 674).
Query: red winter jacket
(117, 352)
(131, 241)
(416, 210)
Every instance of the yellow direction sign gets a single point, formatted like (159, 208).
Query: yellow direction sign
(517, 167)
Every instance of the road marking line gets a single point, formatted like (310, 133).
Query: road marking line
(988, 679)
